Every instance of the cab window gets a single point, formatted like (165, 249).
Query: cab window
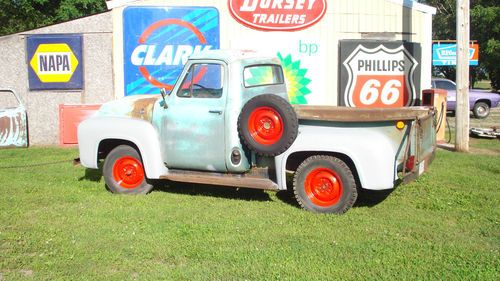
(263, 75)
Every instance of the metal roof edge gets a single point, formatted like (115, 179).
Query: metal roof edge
(415, 5)
(111, 4)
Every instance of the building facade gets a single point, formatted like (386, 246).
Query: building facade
(359, 53)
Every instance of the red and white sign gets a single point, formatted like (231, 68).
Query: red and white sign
(277, 15)
(380, 77)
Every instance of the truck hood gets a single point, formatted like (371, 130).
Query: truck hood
(137, 106)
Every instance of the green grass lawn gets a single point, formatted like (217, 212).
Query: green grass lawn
(58, 222)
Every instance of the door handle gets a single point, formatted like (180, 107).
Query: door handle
(219, 112)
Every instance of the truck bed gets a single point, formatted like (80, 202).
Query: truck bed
(351, 114)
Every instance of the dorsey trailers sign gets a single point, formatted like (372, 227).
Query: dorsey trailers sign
(55, 62)
(278, 15)
(158, 42)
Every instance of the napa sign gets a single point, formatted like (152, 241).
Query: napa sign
(444, 54)
(55, 62)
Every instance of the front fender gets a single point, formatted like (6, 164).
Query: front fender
(372, 152)
(92, 131)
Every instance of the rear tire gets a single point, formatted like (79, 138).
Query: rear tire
(124, 172)
(481, 110)
(325, 184)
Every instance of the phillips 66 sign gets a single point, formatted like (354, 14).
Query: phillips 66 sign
(379, 74)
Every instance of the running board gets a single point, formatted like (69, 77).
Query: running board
(256, 178)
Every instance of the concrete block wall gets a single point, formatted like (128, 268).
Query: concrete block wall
(43, 106)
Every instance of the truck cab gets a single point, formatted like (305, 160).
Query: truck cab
(197, 120)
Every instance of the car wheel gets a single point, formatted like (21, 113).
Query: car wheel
(481, 110)
(124, 172)
(325, 184)
(268, 125)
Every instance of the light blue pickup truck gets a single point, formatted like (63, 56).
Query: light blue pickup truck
(227, 121)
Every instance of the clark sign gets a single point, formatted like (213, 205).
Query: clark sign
(158, 42)
(277, 15)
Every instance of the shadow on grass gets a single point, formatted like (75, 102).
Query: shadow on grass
(366, 198)
(245, 194)
(287, 196)
(370, 198)
(94, 175)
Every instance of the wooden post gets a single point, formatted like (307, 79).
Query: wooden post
(463, 108)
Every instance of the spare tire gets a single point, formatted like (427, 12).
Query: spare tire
(268, 125)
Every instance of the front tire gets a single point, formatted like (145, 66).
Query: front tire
(325, 184)
(124, 172)
(481, 110)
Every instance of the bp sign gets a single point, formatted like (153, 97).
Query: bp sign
(55, 62)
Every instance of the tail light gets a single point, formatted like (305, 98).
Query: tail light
(410, 163)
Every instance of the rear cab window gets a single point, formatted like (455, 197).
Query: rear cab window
(263, 75)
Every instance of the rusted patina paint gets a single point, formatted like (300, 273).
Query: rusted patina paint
(13, 124)
(140, 107)
(143, 108)
(257, 178)
(350, 114)
(13, 128)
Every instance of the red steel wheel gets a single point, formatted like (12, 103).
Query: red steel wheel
(123, 171)
(128, 172)
(323, 187)
(325, 184)
(265, 125)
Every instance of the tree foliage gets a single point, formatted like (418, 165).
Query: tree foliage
(485, 28)
(22, 15)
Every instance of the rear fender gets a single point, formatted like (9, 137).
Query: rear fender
(92, 131)
(372, 153)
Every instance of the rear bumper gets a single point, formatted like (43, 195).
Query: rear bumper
(420, 167)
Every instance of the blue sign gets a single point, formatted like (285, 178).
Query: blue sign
(55, 61)
(446, 54)
(159, 40)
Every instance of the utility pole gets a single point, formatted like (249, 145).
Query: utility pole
(462, 110)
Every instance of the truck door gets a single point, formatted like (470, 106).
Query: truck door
(193, 124)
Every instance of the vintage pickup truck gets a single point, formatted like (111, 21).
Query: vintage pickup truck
(227, 121)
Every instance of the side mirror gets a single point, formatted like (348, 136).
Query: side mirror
(164, 93)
